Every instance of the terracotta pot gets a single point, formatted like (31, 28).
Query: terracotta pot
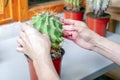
(98, 24)
(74, 15)
(56, 62)
(33, 76)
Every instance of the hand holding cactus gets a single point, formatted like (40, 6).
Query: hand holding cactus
(33, 43)
(78, 32)
(48, 23)
(37, 47)
(36, 44)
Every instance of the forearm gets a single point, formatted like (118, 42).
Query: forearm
(45, 69)
(106, 48)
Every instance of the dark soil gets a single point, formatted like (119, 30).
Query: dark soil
(55, 54)
(105, 15)
(80, 10)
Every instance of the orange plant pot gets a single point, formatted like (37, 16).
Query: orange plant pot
(98, 24)
(74, 15)
(33, 75)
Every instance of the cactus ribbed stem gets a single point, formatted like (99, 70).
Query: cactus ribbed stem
(49, 24)
(73, 5)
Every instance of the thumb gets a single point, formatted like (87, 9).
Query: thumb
(68, 27)
(69, 21)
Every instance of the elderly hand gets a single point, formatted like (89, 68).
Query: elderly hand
(78, 32)
(33, 43)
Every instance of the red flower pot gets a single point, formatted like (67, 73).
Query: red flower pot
(56, 62)
(33, 75)
(74, 15)
(98, 24)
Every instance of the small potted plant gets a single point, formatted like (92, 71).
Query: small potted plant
(48, 23)
(97, 20)
(73, 9)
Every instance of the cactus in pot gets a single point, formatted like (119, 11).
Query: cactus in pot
(48, 23)
(73, 5)
(98, 19)
(73, 9)
(98, 7)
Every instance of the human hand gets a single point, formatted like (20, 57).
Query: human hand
(33, 43)
(78, 32)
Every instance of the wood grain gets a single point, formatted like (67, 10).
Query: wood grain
(7, 15)
(1, 6)
(56, 6)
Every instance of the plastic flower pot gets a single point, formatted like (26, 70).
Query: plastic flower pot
(74, 15)
(56, 62)
(98, 24)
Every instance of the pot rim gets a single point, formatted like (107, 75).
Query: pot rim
(107, 16)
(62, 53)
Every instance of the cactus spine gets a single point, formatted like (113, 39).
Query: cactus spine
(48, 23)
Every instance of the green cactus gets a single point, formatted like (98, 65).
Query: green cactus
(73, 5)
(98, 6)
(48, 23)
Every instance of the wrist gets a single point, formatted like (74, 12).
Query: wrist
(41, 55)
(95, 41)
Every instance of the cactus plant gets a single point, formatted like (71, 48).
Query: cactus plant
(48, 23)
(97, 20)
(73, 9)
(73, 5)
(98, 6)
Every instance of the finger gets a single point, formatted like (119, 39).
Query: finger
(73, 28)
(69, 27)
(20, 49)
(23, 27)
(23, 38)
(45, 35)
(69, 21)
(31, 31)
(20, 41)
(26, 39)
(62, 20)
(26, 26)
(19, 45)
(28, 23)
